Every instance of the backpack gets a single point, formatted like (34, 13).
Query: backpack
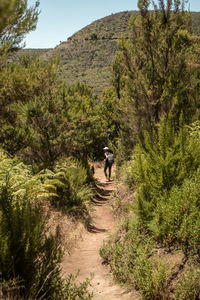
(110, 158)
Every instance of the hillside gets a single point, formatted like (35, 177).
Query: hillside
(88, 54)
(31, 52)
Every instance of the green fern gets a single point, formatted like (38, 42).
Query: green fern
(18, 178)
(73, 191)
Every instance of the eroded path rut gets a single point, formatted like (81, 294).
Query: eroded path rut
(85, 256)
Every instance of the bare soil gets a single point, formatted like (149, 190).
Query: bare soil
(85, 255)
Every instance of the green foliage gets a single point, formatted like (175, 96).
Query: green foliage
(42, 119)
(26, 252)
(19, 179)
(152, 76)
(164, 171)
(157, 91)
(73, 291)
(162, 163)
(151, 277)
(22, 84)
(87, 130)
(110, 116)
(32, 256)
(29, 255)
(46, 129)
(128, 256)
(67, 187)
(16, 20)
(27, 78)
(130, 240)
(68, 289)
(176, 218)
(189, 285)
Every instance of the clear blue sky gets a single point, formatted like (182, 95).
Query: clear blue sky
(59, 19)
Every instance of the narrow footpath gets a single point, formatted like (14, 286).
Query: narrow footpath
(85, 256)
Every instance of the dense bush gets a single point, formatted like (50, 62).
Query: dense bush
(69, 189)
(29, 255)
(128, 254)
(68, 186)
(188, 286)
(177, 216)
(161, 163)
(128, 240)
(164, 171)
(26, 252)
(42, 119)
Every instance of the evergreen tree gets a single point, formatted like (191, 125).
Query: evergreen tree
(16, 20)
(163, 163)
(154, 78)
(22, 84)
(86, 129)
(59, 121)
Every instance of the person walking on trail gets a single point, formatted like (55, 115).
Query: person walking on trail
(108, 162)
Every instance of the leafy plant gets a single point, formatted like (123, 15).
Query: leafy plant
(176, 218)
(26, 252)
(151, 277)
(121, 251)
(71, 191)
(189, 285)
(68, 186)
(162, 163)
(164, 166)
(17, 19)
(147, 70)
(29, 255)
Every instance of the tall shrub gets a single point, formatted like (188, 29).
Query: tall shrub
(162, 163)
(154, 77)
(26, 252)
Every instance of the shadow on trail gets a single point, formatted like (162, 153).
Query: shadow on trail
(94, 229)
(102, 196)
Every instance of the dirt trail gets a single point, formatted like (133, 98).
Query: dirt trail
(85, 256)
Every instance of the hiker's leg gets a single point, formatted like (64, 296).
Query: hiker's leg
(105, 169)
(110, 166)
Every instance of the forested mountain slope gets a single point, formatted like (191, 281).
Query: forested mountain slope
(88, 54)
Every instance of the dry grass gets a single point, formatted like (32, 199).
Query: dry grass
(71, 229)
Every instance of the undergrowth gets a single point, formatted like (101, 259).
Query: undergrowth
(30, 255)
(128, 254)
(164, 176)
